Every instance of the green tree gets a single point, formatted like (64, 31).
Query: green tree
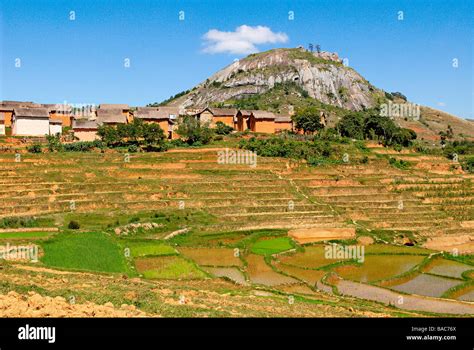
(193, 132)
(352, 126)
(308, 119)
(154, 136)
(109, 135)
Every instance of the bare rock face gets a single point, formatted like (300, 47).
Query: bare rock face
(322, 75)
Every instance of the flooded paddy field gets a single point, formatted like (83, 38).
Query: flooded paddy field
(448, 268)
(260, 272)
(231, 273)
(428, 285)
(212, 256)
(379, 267)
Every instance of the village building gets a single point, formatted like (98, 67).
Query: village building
(30, 121)
(124, 108)
(214, 115)
(262, 121)
(55, 126)
(6, 112)
(85, 129)
(7, 108)
(283, 123)
(60, 111)
(111, 117)
(2, 123)
(172, 113)
(242, 120)
(154, 115)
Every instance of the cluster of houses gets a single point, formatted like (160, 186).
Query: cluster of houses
(33, 119)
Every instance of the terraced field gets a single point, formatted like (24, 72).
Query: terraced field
(181, 218)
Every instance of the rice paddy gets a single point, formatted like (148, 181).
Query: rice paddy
(210, 224)
(168, 267)
(379, 267)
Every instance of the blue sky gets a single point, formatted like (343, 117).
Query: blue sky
(82, 60)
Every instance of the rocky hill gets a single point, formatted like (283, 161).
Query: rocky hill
(321, 76)
(282, 80)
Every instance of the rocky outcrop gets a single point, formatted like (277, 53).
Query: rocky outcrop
(322, 75)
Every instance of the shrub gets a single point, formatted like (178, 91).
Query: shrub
(178, 143)
(222, 129)
(17, 222)
(314, 152)
(371, 126)
(133, 148)
(399, 163)
(193, 132)
(74, 225)
(468, 165)
(54, 143)
(138, 133)
(308, 119)
(82, 146)
(35, 148)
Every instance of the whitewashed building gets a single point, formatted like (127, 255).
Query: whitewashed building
(2, 123)
(55, 126)
(30, 122)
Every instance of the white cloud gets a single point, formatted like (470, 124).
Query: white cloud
(242, 41)
(441, 104)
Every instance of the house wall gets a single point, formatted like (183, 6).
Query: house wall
(66, 118)
(30, 126)
(55, 129)
(283, 126)
(8, 118)
(2, 129)
(206, 116)
(262, 125)
(129, 116)
(86, 134)
(226, 119)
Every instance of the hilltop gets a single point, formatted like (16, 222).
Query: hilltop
(282, 80)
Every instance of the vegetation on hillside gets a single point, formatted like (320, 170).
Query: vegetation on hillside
(193, 132)
(135, 135)
(308, 119)
(279, 98)
(364, 126)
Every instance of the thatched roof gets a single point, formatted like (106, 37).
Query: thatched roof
(280, 118)
(38, 112)
(263, 115)
(84, 124)
(220, 111)
(168, 112)
(58, 107)
(245, 112)
(114, 106)
(11, 105)
(150, 113)
(107, 116)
